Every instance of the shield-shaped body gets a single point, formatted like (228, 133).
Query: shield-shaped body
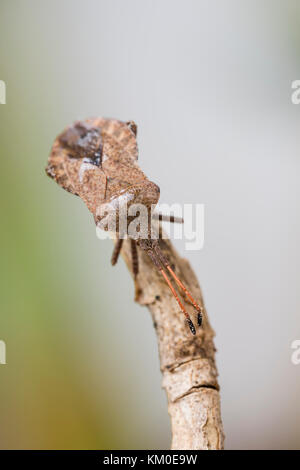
(96, 159)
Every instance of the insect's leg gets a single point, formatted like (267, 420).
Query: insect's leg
(116, 252)
(168, 218)
(166, 264)
(135, 267)
(165, 218)
(134, 257)
(156, 262)
(105, 185)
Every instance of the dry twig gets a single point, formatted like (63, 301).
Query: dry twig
(187, 362)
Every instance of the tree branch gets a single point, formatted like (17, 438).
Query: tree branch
(187, 362)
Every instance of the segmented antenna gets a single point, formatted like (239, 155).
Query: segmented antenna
(158, 261)
(166, 264)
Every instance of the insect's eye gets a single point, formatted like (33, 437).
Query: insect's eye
(132, 126)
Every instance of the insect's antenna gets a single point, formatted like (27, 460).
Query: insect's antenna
(116, 252)
(166, 264)
(156, 262)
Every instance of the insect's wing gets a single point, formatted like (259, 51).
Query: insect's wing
(120, 155)
(74, 166)
(77, 142)
(57, 169)
(75, 162)
(119, 138)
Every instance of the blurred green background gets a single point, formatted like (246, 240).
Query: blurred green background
(209, 85)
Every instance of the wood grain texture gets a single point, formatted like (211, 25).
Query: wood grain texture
(187, 362)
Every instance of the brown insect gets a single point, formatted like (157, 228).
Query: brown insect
(96, 160)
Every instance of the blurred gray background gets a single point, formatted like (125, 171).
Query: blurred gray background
(209, 85)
